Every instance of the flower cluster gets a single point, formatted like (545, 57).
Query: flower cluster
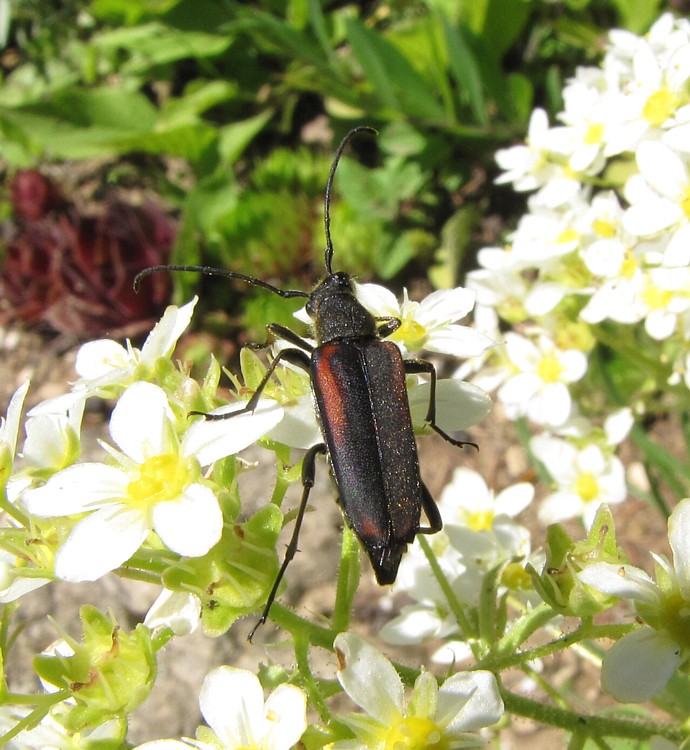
(600, 257)
(162, 504)
(480, 539)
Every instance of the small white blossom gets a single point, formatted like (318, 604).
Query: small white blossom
(448, 716)
(232, 704)
(155, 487)
(538, 387)
(105, 363)
(9, 430)
(585, 478)
(429, 324)
(640, 664)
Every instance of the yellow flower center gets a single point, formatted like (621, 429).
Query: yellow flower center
(566, 236)
(481, 519)
(549, 369)
(604, 228)
(587, 487)
(594, 134)
(685, 201)
(516, 578)
(411, 332)
(415, 733)
(656, 298)
(659, 107)
(629, 266)
(160, 478)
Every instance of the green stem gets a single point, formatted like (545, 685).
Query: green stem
(503, 659)
(300, 628)
(307, 679)
(591, 726)
(453, 602)
(527, 624)
(12, 510)
(348, 580)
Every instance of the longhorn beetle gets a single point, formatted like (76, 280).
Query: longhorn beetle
(358, 383)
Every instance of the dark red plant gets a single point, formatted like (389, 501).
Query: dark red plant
(74, 272)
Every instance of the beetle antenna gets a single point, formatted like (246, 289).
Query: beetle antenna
(210, 271)
(329, 184)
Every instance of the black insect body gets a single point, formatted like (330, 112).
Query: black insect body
(358, 383)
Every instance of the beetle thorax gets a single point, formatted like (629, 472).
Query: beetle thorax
(335, 311)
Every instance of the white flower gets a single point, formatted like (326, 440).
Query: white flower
(539, 388)
(429, 324)
(105, 363)
(232, 704)
(53, 430)
(9, 429)
(155, 487)
(640, 664)
(527, 165)
(443, 717)
(585, 478)
(467, 501)
(660, 194)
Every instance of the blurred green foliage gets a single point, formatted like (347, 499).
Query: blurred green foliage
(231, 111)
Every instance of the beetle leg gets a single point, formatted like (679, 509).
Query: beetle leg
(417, 366)
(294, 356)
(432, 513)
(275, 330)
(308, 474)
(387, 325)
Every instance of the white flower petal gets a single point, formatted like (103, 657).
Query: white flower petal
(446, 305)
(232, 703)
(162, 339)
(191, 524)
(377, 299)
(514, 499)
(468, 701)
(369, 678)
(76, 489)
(458, 341)
(638, 666)
(625, 581)
(459, 404)
(140, 421)
(298, 428)
(415, 624)
(286, 717)
(97, 358)
(176, 610)
(650, 217)
(679, 539)
(100, 543)
(210, 441)
(560, 506)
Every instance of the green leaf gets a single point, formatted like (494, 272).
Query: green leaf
(398, 85)
(197, 98)
(154, 44)
(466, 70)
(637, 15)
(79, 123)
(234, 138)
